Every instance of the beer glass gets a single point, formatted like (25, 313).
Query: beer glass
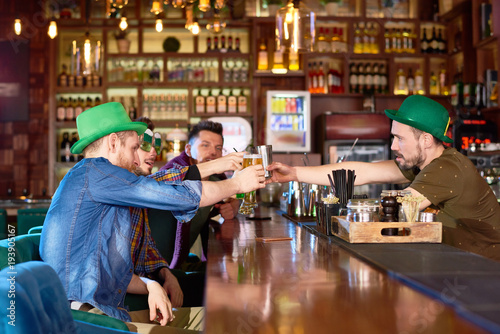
(250, 199)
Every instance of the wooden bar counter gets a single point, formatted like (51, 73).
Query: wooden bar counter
(309, 284)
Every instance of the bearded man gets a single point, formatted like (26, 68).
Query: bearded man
(448, 180)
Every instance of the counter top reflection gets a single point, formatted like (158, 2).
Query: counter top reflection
(308, 285)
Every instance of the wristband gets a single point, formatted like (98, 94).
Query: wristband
(146, 280)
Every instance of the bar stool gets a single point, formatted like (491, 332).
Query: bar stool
(28, 218)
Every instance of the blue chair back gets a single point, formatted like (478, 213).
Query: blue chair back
(28, 218)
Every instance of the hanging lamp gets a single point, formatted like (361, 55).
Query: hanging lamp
(295, 27)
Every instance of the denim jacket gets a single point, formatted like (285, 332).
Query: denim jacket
(87, 231)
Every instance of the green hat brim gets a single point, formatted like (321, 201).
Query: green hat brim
(80, 145)
(392, 114)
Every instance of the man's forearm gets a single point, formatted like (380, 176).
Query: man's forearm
(213, 192)
(137, 286)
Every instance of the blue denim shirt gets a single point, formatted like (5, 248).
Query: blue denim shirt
(87, 231)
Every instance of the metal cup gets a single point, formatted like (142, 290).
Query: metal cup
(267, 158)
(426, 217)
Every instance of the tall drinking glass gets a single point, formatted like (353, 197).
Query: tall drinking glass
(250, 200)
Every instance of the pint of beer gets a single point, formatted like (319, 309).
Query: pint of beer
(250, 200)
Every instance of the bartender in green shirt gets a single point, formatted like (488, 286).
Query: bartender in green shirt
(448, 180)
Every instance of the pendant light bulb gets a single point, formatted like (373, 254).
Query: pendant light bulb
(17, 26)
(204, 5)
(52, 32)
(123, 23)
(156, 7)
(159, 25)
(195, 28)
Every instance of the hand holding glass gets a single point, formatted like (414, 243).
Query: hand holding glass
(250, 199)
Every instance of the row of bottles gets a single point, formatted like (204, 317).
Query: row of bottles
(214, 46)
(435, 44)
(366, 37)
(368, 78)
(134, 70)
(334, 42)
(235, 70)
(68, 109)
(128, 103)
(399, 40)
(193, 70)
(226, 102)
(287, 105)
(412, 82)
(66, 142)
(165, 107)
(324, 80)
(287, 122)
(279, 57)
(80, 79)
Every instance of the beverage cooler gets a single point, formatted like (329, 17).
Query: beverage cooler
(337, 133)
(288, 121)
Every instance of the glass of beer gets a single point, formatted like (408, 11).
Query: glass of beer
(250, 199)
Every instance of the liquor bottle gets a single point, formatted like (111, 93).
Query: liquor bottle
(226, 71)
(441, 43)
(358, 43)
(373, 39)
(366, 36)
(237, 45)
(313, 79)
(293, 61)
(155, 72)
(262, 63)
(78, 107)
(97, 101)
(74, 139)
(401, 82)
(88, 104)
(376, 79)
(170, 107)
(146, 111)
(132, 109)
(434, 45)
(209, 45)
(70, 110)
(368, 87)
(399, 41)
(353, 78)
(384, 82)
(153, 107)
(443, 88)
(223, 48)
(236, 69)
(199, 103)
(394, 40)
(176, 113)
(230, 44)
(232, 103)
(433, 84)
(410, 82)
(333, 79)
(61, 110)
(321, 89)
(387, 41)
(424, 42)
(221, 102)
(323, 44)
(65, 147)
(361, 78)
(184, 111)
(405, 41)
(162, 108)
(211, 103)
(334, 40)
(242, 102)
(342, 45)
(419, 81)
(216, 44)
(62, 79)
(278, 58)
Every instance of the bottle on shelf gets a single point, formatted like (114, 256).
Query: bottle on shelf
(236, 69)
(410, 82)
(79, 107)
(237, 45)
(365, 37)
(89, 104)
(215, 46)
(62, 78)
(176, 108)
(322, 43)
(434, 44)
(146, 110)
(162, 108)
(74, 139)
(132, 109)
(353, 78)
(262, 60)
(313, 79)
(199, 103)
(361, 78)
(358, 42)
(401, 88)
(334, 79)
(64, 151)
(278, 58)
(232, 103)
(321, 89)
(441, 43)
(70, 110)
(221, 102)
(373, 39)
(443, 88)
(376, 79)
(223, 48)
(387, 41)
(433, 84)
(170, 107)
(293, 61)
(419, 81)
(183, 104)
(211, 104)
(394, 41)
(368, 86)
(61, 110)
(230, 44)
(384, 81)
(424, 42)
(209, 45)
(242, 102)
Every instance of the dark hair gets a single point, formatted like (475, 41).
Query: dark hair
(418, 132)
(214, 127)
(146, 120)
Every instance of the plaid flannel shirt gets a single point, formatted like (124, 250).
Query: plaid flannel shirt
(145, 256)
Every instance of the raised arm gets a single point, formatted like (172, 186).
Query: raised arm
(232, 161)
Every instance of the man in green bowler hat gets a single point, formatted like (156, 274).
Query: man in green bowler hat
(87, 231)
(448, 180)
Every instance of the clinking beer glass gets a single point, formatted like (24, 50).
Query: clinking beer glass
(250, 199)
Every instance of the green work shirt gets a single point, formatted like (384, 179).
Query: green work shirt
(467, 206)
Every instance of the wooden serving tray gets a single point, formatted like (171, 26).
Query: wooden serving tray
(371, 232)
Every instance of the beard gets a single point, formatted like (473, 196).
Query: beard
(412, 162)
(140, 172)
(123, 163)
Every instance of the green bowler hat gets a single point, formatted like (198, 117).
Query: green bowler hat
(424, 114)
(101, 121)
